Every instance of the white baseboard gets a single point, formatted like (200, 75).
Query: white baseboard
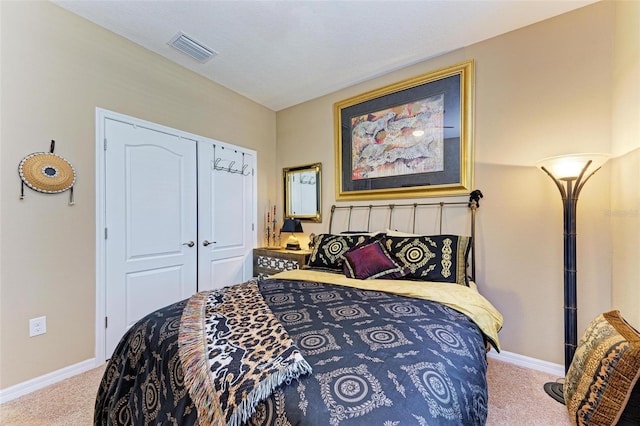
(37, 383)
(528, 362)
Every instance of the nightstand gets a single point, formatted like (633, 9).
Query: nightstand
(268, 261)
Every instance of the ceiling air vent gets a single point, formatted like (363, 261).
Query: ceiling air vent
(189, 46)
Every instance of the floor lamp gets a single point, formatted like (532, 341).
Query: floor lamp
(569, 173)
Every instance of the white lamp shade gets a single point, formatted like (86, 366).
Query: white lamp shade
(568, 167)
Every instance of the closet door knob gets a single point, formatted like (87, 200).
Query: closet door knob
(206, 243)
(189, 244)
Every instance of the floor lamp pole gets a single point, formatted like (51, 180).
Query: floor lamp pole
(570, 304)
(569, 184)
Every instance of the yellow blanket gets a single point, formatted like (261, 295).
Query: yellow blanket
(463, 299)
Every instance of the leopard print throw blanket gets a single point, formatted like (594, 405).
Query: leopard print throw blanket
(234, 353)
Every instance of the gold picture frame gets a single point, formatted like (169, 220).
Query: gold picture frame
(410, 139)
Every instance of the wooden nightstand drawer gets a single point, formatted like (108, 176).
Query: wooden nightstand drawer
(268, 261)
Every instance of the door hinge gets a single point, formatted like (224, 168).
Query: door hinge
(253, 227)
(106, 322)
(253, 172)
(105, 233)
(105, 144)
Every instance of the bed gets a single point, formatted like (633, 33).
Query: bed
(383, 328)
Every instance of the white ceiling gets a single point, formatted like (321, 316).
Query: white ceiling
(281, 53)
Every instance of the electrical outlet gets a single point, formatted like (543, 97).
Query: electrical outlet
(37, 326)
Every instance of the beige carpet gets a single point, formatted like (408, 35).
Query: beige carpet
(516, 397)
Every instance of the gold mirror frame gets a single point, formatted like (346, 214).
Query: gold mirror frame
(303, 188)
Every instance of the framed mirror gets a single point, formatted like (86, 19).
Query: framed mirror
(303, 192)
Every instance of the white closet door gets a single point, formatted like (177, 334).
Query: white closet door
(151, 205)
(225, 214)
(153, 183)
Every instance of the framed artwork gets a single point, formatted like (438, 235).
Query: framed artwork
(408, 139)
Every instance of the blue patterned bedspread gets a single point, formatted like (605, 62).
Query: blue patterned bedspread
(377, 359)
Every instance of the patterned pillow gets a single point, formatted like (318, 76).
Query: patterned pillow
(440, 258)
(372, 261)
(329, 249)
(604, 371)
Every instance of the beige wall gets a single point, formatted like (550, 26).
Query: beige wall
(543, 90)
(625, 227)
(56, 69)
(625, 168)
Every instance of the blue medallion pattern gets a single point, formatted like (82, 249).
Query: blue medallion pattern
(377, 359)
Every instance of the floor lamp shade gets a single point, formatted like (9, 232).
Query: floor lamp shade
(570, 173)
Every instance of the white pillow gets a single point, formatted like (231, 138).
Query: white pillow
(369, 234)
(393, 233)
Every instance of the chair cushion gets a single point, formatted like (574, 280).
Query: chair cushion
(604, 371)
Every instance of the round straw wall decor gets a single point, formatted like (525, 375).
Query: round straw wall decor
(47, 172)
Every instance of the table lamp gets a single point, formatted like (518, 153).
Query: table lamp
(292, 225)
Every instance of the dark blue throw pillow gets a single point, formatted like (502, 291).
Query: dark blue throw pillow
(441, 258)
(329, 249)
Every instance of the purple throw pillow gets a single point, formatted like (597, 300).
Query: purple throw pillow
(371, 261)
